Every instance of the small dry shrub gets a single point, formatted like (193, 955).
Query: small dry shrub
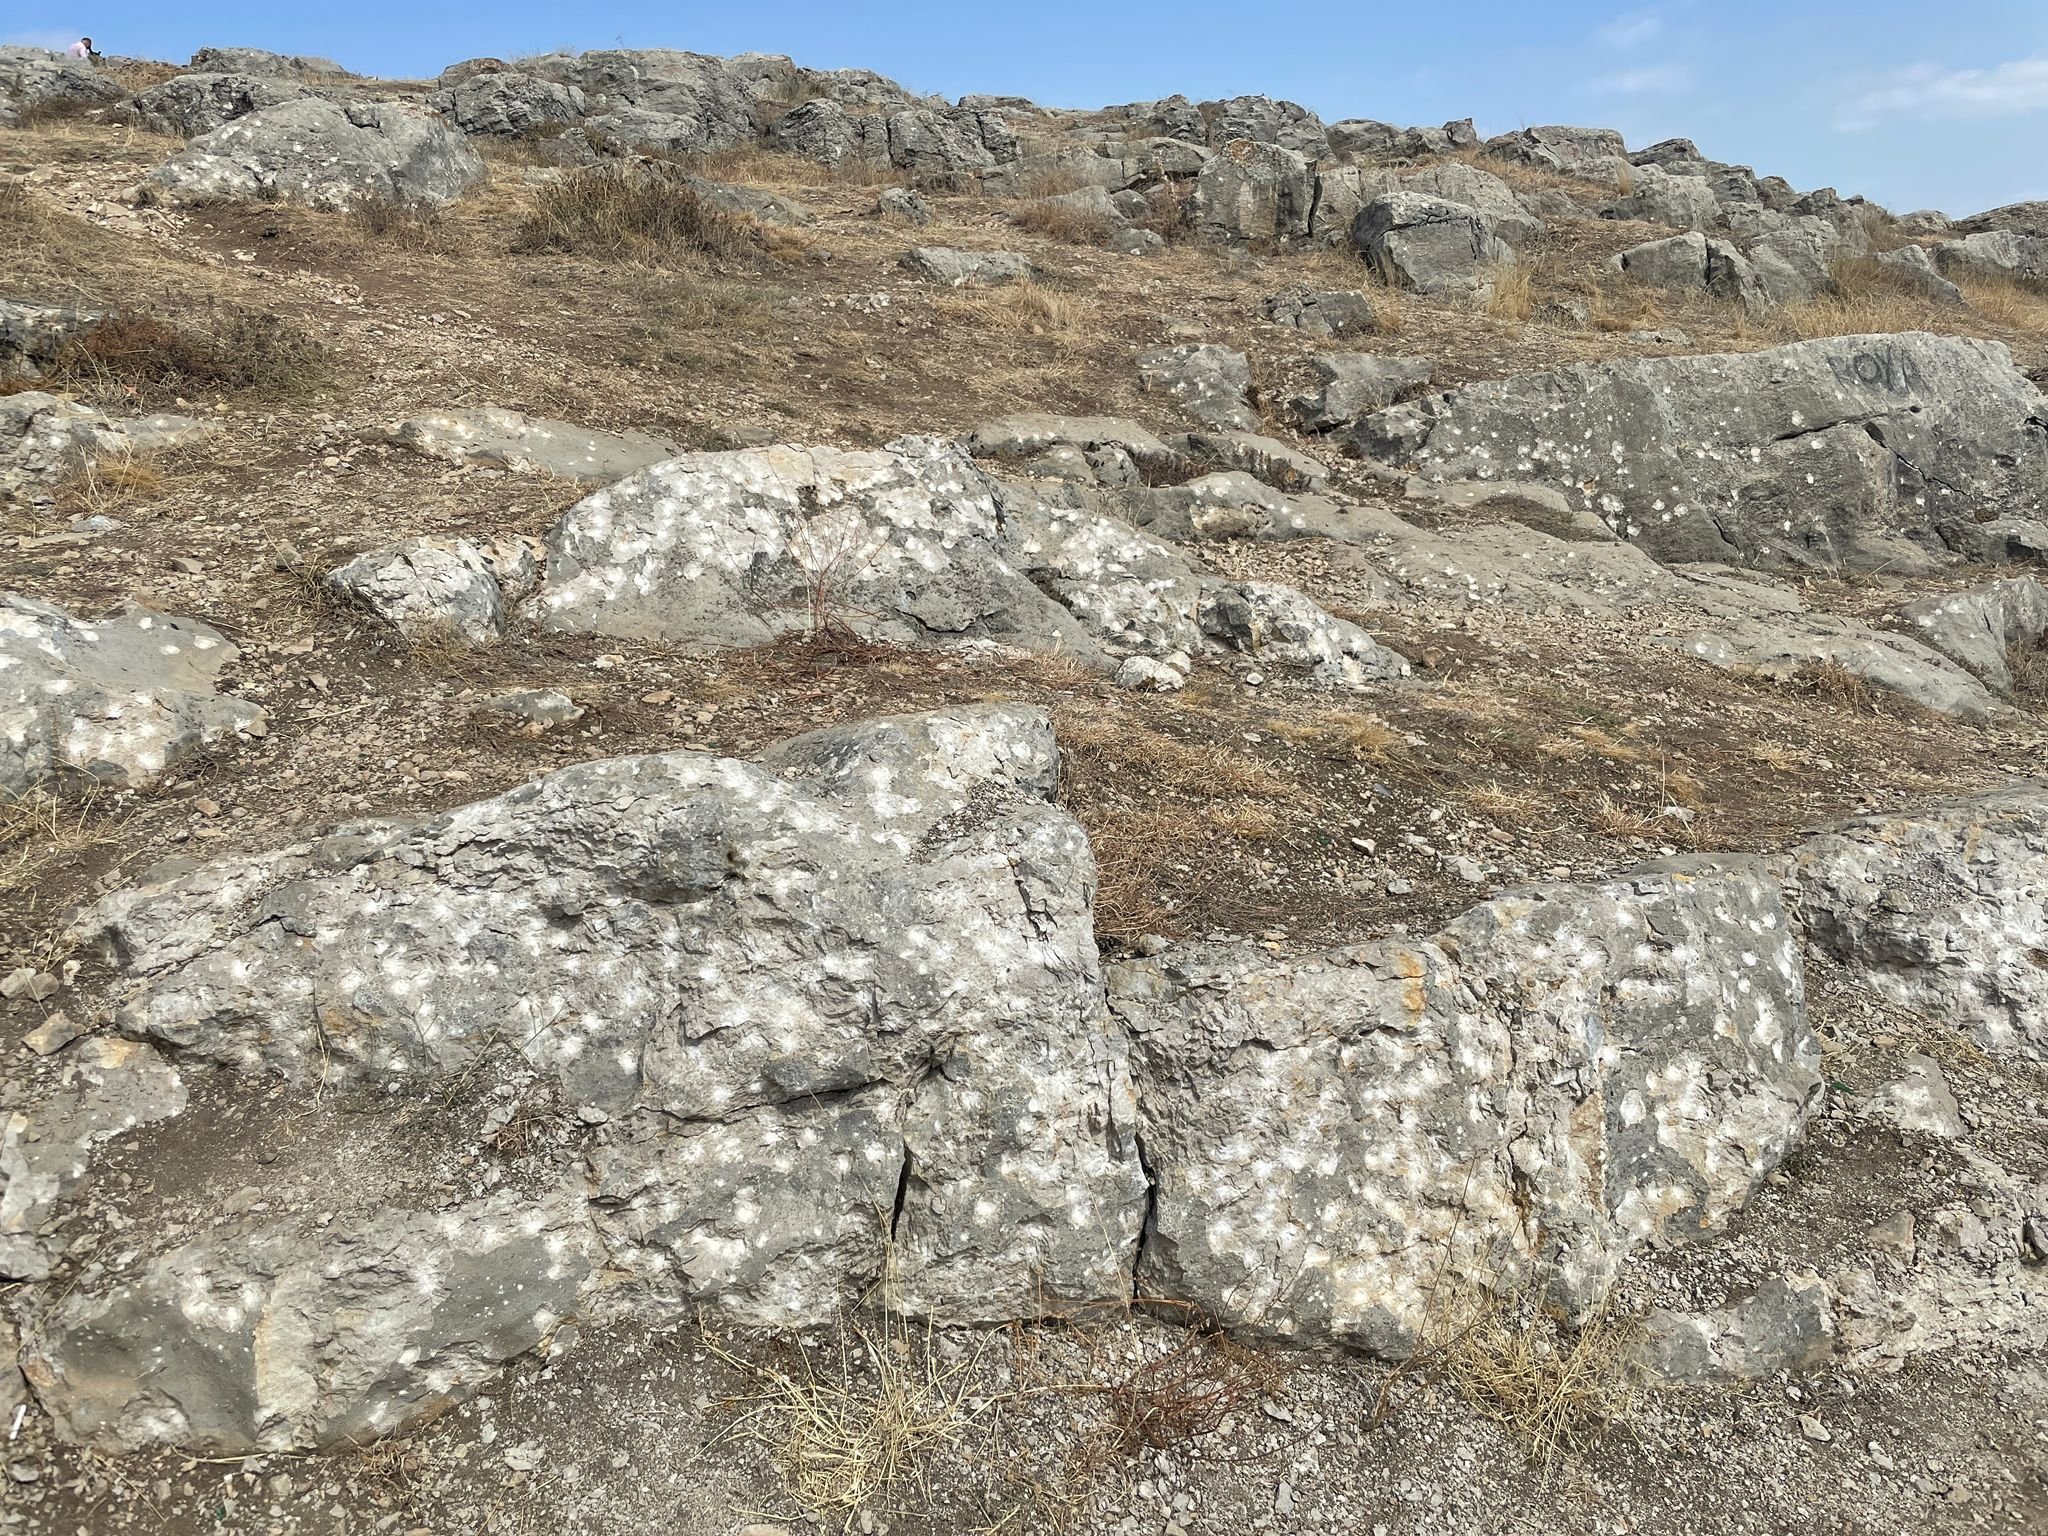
(643, 211)
(1166, 210)
(1064, 222)
(2028, 665)
(102, 487)
(414, 226)
(141, 359)
(1554, 1387)
(1511, 291)
(1832, 681)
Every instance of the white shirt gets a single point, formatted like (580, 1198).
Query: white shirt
(78, 50)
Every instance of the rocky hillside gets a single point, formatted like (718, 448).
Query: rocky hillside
(732, 801)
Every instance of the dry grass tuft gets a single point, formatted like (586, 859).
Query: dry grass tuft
(418, 227)
(140, 359)
(1555, 1388)
(40, 832)
(858, 1422)
(1867, 299)
(1031, 308)
(2005, 301)
(1510, 291)
(103, 487)
(644, 211)
(1063, 222)
(2028, 665)
(1832, 681)
(1345, 734)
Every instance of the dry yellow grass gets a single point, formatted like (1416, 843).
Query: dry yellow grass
(1061, 222)
(39, 832)
(1029, 307)
(1555, 1388)
(1510, 291)
(104, 487)
(2004, 301)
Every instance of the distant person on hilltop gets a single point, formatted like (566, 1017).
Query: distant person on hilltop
(83, 49)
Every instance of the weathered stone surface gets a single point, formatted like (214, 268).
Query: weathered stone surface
(1453, 181)
(1655, 196)
(951, 142)
(1997, 253)
(1341, 193)
(530, 445)
(1679, 262)
(1784, 1325)
(1944, 911)
(1249, 192)
(189, 105)
(1785, 645)
(260, 61)
(108, 1088)
(1279, 627)
(508, 104)
(1911, 267)
(1354, 383)
(1561, 1075)
(1857, 451)
(1265, 458)
(32, 335)
(454, 589)
(826, 132)
(902, 203)
(1342, 312)
(1262, 120)
(1426, 243)
(880, 934)
(1982, 627)
(115, 701)
(35, 77)
(1920, 1101)
(680, 101)
(44, 437)
(327, 155)
(1211, 383)
(296, 1335)
(1016, 439)
(2029, 218)
(1588, 152)
(969, 269)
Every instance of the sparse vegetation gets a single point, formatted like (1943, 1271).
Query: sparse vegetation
(1555, 1387)
(417, 227)
(640, 211)
(140, 359)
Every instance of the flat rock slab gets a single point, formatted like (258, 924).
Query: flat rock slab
(531, 445)
(1983, 626)
(1264, 458)
(1855, 451)
(1211, 383)
(115, 701)
(969, 269)
(1353, 383)
(1785, 645)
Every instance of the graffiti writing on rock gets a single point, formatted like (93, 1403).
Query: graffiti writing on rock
(1886, 368)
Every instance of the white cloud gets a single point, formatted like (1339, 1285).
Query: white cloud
(1629, 30)
(1661, 80)
(1928, 91)
(56, 42)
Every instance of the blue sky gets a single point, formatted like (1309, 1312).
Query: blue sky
(1913, 105)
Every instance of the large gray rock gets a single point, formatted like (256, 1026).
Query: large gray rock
(449, 589)
(115, 701)
(824, 131)
(949, 143)
(1211, 383)
(509, 104)
(1943, 911)
(678, 101)
(1587, 152)
(1983, 626)
(1997, 253)
(33, 335)
(2029, 218)
(969, 269)
(1342, 312)
(106, 1089)
(1251, 192)
(1856, 451)
(1427, 244)
(530, 445)
(1559, 1077)
(35, 77)
(327, 155)
(1677, 262)
(189, 105)
(1793, 258)
(1656, 196)
(1913, 269)
(260, 61)
(860, 973)
(1262, 120)
(1454, 181)
(1341, 193)
(1353, 383)
(1020, 439)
